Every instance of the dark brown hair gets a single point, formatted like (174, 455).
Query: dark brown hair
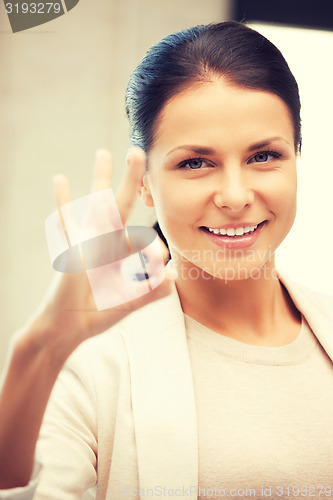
(240, 54)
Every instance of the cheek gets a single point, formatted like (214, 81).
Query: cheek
(176, 202)
(283, 199)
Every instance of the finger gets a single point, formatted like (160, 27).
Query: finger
(102, 170)
(62, 199)
(128, 188)
(61, 190)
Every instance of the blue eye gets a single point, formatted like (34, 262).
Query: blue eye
(193, 164)
(264, 156)
(261, 157)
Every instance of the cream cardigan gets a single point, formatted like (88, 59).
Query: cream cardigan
(127, 398)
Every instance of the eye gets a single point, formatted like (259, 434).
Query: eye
(264, 156)
(193, 164)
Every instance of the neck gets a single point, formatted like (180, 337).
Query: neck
(255, 310)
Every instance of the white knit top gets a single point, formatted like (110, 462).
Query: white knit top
(265, 416)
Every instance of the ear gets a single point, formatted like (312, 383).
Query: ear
(144, 192)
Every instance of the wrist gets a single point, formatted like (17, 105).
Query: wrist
(41, 339)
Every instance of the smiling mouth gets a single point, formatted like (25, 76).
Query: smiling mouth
(234, 233)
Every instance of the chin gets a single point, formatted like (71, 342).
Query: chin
(237, 271)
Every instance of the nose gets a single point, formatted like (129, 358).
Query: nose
(234, 192)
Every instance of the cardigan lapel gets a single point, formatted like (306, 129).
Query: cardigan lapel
(163, 399)
(317, 308)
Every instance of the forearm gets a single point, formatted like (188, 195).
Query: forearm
(30, 376)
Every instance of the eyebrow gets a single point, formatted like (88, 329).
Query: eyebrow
(210, 151)
(266, 142)
(196, 149)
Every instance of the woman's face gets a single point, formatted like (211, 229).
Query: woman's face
(222, 163)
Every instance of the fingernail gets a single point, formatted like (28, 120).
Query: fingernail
(130, 151)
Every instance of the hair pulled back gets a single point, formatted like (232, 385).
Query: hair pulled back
(230, 50)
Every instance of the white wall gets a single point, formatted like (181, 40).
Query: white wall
(307, 253)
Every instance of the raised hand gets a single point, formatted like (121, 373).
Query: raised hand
(66, 317)
(69, 308)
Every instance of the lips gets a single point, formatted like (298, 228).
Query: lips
(234, 242)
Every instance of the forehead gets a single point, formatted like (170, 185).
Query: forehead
(223, 114)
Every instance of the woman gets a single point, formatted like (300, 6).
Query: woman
(208, 387)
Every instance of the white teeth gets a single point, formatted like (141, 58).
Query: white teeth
(239, 231)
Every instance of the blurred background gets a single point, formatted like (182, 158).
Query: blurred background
(62, 87)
